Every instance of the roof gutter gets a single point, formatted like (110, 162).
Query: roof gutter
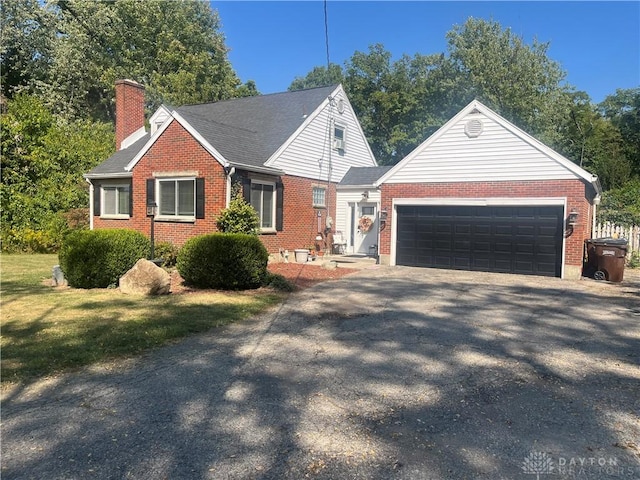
(256, 169)
(95, 176)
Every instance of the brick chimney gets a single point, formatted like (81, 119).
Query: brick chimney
(129, 109)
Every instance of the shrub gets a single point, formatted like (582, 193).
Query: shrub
(239, 217)
(228, 261)
(167, 252)
(279, 282)
(98, 258)
(27, 240)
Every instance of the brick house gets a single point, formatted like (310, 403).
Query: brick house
(479, 194)
(285, 152)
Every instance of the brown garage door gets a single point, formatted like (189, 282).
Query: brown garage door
(509, 239)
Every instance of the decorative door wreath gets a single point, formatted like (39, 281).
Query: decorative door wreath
(365, 224)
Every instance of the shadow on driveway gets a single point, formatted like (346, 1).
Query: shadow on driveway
(388, 373)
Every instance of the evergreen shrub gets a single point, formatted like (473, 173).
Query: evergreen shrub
(98, 258)
(226, 261)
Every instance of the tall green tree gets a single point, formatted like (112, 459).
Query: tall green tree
(42, 160)
(319, 77)
(518, 80)
(26, 41)
(70, 52)
(623, 110)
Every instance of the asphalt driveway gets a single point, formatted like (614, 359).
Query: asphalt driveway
(389, 373)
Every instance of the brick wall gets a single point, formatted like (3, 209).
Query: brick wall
(300, 219)
(177, 151)
(129, 109)
(577, 193)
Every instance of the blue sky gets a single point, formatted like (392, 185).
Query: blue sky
(596, 43)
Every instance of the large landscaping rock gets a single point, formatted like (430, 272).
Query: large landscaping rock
(145, 278)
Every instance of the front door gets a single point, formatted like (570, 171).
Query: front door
(363, 228)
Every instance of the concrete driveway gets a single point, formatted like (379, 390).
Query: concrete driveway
(389, 373)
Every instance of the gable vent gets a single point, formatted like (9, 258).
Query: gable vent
(473, 128)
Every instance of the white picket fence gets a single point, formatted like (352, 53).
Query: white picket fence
(631, 234)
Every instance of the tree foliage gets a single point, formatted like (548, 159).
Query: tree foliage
(402, 102)
(59, 61)
(42, 161)
(81, 47)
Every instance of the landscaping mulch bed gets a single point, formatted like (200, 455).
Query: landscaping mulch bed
(302, 275)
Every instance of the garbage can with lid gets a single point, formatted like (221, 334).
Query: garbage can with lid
(605, 258)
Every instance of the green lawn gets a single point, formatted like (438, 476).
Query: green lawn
(47, 330)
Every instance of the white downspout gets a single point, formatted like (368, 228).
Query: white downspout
(232, 170)
(91, 193)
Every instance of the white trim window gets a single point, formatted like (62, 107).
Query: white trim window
(319, 197)
(339, 137)
(115, 201)
(263, 199)
(177, 198)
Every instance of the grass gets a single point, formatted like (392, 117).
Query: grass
(47, 330)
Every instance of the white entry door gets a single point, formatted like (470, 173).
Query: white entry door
(363, 227)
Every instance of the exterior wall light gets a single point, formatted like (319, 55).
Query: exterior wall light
(573, 218)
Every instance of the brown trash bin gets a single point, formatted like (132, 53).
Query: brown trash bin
(605, 258)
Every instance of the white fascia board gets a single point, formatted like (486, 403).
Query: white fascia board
(482, 202)
(133, 138)
(257, 169)
(100, 176)
(175, 116)
(370, 186)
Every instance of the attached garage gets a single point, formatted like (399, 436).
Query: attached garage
(523, 239)
(482, 194)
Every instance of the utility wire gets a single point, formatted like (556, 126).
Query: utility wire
(326, 34)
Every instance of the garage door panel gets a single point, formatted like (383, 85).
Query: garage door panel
(516, 239)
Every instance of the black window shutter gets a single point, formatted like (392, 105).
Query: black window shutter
(97, 193)
(131, 198)
(151, 191)
(279, 206)
(246, 189)
(199, 197)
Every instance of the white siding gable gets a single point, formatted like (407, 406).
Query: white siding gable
(501, 152)
(308, 152)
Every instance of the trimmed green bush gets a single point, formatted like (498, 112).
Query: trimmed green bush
(227, 261)
(240, 217)
(98, 258)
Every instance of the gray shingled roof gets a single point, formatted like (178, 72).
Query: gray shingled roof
(364, 175)
(115, 163)
(249, 130)
(244, 130)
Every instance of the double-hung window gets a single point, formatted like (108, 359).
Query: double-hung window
(115, 201)
(263, 199)
(319, 197)
(177, 198)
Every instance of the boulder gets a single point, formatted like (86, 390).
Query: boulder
(145, 278)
